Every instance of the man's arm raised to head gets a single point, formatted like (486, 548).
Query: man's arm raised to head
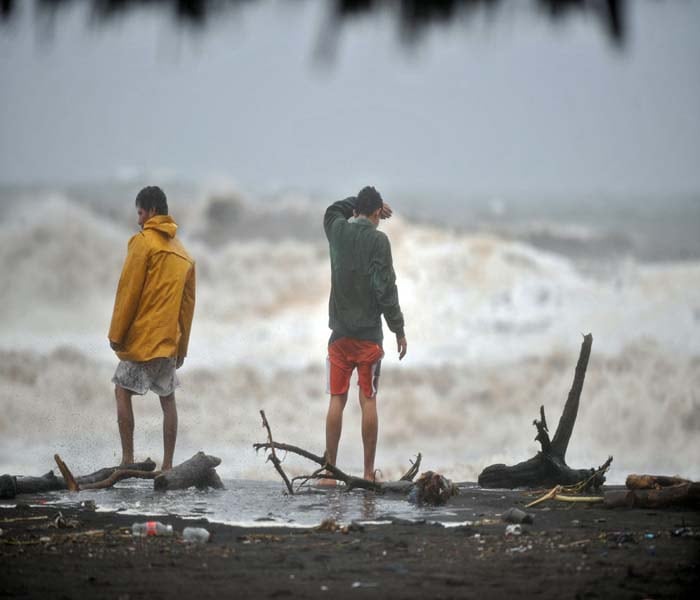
(128, 295)
(341, 210)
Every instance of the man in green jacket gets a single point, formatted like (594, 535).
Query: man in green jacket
(363, 288)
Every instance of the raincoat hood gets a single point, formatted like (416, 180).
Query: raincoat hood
(162, 223)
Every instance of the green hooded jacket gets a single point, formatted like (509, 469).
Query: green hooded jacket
(363, 282)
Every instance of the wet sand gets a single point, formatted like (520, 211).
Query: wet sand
(569, 551)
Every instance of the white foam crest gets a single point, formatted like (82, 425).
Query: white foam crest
(466, 297)
(59, 261)
(461, 418)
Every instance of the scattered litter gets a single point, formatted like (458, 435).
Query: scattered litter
(519, 549)
(515, 515)
(151, 528)
(683, 532)
(621, 537)
(195, 535)
(649, 536)
(88, 505)
(41, 518)
(362, 584)
(59, 522)
(513, 530)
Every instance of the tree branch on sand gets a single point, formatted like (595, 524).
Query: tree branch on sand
(548, 467)
(431, 488)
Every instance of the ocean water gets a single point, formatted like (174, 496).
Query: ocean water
(250, 503)
(496, 293)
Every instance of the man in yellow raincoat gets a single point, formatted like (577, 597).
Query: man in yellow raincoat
(152, 318)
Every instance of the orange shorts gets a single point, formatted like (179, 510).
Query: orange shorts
(346, 354)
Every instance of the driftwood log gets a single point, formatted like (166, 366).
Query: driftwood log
(14, 485)
(198, 471)
(548, 467)
(654, 491)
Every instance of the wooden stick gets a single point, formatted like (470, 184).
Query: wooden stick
(564, 498)
(67, 475)
(413, 470)
(542, 432)
(273, 456)
(548, 496)
(333, 471)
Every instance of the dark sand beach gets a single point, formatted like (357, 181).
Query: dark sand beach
(569, 551)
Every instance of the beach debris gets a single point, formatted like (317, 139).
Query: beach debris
(88, 505)
(14, 485)
(151, 528)
(571, 493)
(548, 467)
(272, 457)
(329, 525)
(71, 484)
(363, 584)
(513, 529)
(195, 535)
(329, 471)
(619, 538)
(654, 491)
(515, 515)
(652, 482)
(519, 549)
(433, 489)
(685, 532)
(58, 521)
(198, 471)
(256, 538)
(14, 520)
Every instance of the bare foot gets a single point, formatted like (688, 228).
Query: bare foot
(330, 483)
(375, 476)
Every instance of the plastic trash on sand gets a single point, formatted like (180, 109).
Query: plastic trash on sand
(195, 535)
(514, 529)
(150, 528)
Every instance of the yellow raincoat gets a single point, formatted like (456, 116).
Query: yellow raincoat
(154, 305)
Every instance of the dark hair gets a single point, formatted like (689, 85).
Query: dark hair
(152, 197)
(368, 200)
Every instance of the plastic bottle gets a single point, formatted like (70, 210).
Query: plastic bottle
(151, 528)
(195, 535)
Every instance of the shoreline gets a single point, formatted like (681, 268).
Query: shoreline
(569, 551)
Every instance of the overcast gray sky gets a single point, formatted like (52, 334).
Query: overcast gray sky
(512, 106)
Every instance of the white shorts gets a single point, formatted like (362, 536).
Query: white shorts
(157, 375)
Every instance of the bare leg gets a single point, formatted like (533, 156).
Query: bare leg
(370, 427)
(125, 419)
(334, 427)
(167, 403)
